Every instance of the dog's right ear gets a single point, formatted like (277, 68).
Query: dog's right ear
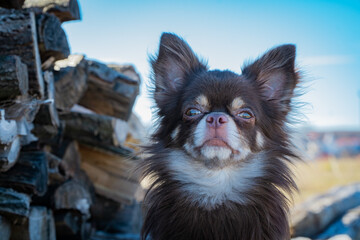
(173, 63)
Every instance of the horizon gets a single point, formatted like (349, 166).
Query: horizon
(325, 33)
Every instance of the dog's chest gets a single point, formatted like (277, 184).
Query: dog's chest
(211, 187)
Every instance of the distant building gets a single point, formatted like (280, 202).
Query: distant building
(337, 144)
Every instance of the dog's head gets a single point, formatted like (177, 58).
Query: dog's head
(220, 118)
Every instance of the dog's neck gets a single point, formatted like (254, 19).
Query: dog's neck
(189, 201)
(210, 187)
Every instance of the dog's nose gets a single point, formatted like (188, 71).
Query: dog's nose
(216, 120)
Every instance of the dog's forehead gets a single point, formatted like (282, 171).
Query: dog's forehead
(216, 89)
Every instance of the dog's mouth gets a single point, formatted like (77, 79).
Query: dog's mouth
(217, 142)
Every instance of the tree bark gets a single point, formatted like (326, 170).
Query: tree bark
(18, 37)
(65, 10)
(5, 228)
(29, 175)
(52, 38)
(70, 81)
(95, 130)
(47, 121)
(39, 225)
(14, 205)
(9, 154)
(13, 77)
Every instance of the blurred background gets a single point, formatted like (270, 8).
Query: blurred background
(229, 33)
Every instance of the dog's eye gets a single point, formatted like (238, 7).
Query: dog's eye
(192, 112)
(244, 115)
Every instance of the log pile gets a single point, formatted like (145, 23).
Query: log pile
(333, 215)
(67, 133)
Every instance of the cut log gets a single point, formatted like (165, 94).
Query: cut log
(112, 175)
(95, 130)
(29, 175)
(313, 216)
(8, 129)
(68, 152)
(111, 216)
(25, 131)
(70, 81)
(69, 166)
(5, 228)
(9, 142)
(39, 225)
(14, 205)
(52, 38)
(47, 121)
(18, 37)
(136, 133)
(55, 175)
(65, 10)
(13, 77)
(22, 108)
(126, 69)
(9, 154)
(103, 213)
(16, 4)
(109, 92)
(72, 195)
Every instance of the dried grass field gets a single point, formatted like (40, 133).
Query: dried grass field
(319, 176)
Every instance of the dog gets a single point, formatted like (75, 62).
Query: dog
(219, 158)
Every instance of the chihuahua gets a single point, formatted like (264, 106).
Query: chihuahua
(219, 157)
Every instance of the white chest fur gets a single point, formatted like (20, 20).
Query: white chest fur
(209, 188)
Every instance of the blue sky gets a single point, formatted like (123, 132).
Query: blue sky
(227, 33)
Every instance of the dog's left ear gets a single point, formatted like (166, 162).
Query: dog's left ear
(274, 74)
(173, 63)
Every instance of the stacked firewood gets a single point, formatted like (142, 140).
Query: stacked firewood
(67, 133)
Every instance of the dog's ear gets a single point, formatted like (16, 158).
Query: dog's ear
(173, 63)
(275, 75)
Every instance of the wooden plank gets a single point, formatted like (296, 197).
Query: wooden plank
(70, 76)
(65, 10)
(29, 175)
(52, 38)
(14, 79)
(109, 92)
(18, 37)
